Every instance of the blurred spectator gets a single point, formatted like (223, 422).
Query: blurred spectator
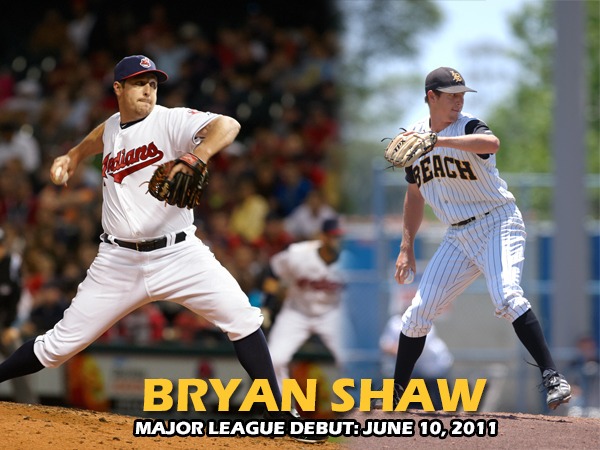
(218, 195)
(17, 142)
(247, 271)
(305, 221)
(50, 35)
(18, 202)
(248, 215)
(293, 147)
(158, 24)
(219, 236)
(190, 328)
(26, 103)
(169, 54)
(320, 132)
(265, 145)
(70, 274)
(273, 239)
(292, 187)
(80, 25)
(143, 326)
(317, 64)
(11, 290)
(68, 204)
(51, 128)
(266, 179)
(49, 305)
(39, 267)
(84, 111)
(220, 100)
(200, 65)
(7, 83)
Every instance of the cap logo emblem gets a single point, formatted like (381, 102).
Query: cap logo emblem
(145, 62)
(456, 76)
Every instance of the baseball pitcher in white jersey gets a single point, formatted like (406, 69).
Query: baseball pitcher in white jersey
(149, 250)
(458, 178)
(311, 273)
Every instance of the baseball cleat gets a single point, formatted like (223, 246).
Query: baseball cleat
(307, 438)
(558, 390)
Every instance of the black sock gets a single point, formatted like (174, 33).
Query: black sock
(409, 350)
(22, 362)
(253, 354)
(529, 332)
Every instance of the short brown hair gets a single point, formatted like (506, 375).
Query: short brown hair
(437, 94)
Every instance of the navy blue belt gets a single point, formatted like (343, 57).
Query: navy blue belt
(145, 246)
(469, 220)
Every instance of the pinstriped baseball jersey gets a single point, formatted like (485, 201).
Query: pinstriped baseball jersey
(458, 184)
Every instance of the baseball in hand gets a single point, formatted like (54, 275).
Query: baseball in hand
(59, 176)
(409, 277)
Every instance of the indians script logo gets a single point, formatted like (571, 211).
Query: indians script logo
(145, 62)
(322, 284)
(456, 76)
(127, 162)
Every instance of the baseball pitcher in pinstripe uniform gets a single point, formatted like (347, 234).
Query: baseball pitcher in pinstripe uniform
(485, 234)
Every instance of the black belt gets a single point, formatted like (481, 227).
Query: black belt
(145, 246)
(469, 220)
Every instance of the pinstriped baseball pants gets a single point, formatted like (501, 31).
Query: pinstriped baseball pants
(493, 246)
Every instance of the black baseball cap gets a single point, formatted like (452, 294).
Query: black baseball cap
(332, 227)
(131, 66)
(446, 79)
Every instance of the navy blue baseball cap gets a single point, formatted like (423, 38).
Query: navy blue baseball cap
(131, 66)
(446, 79)
(332, 227)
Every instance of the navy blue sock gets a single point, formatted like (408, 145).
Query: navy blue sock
(254, 356)
(529, 332)
(22, 362)
(409, 350)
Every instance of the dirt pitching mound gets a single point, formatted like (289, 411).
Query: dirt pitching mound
(47, 427)
(514, 431)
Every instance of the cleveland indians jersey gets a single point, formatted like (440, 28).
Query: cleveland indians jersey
(458, 184)
(313, 287)
(129, 160)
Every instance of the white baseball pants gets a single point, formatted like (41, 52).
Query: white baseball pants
(121, 280)
(493, 246)
(291, 329)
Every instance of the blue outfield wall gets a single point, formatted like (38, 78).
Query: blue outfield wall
(545, 270)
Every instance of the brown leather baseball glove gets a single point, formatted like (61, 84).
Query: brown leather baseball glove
(184, 190)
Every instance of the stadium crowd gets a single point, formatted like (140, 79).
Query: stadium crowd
(273, 186)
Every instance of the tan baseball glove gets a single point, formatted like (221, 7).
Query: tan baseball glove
(184, 190)
(407, 147)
